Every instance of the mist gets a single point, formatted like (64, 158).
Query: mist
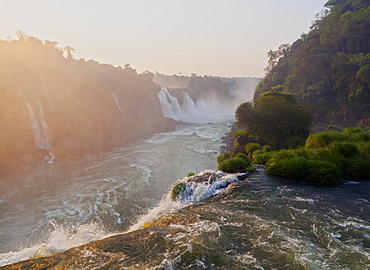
(203, 99)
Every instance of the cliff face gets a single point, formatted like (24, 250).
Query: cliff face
(57, 106)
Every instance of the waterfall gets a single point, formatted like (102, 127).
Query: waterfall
(40, 129)
(201, 111)
(117, 103)
(170, 105)
(189, 104)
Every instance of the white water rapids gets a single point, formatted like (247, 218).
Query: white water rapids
(63, 205)
(264, 222)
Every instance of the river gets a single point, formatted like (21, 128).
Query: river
(263, 222)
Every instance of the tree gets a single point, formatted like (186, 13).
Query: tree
(328, 68)
(274, 118)
(69, 50)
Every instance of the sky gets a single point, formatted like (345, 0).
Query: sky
(228, 38)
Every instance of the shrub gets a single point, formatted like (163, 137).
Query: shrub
(251, 147)
(190, 174)
(177, 189)
(357, 134)
(245, 157)
(258, 152)
(364, 148)
(346, 149)
(323, 154)
(238, 132)
(323, 139)
(261, 157)
(223, 157)
(303, 169)
(279, 155)
(301, 152)
(295, 142)
(267, 148)
(233, 165)
(357, 169)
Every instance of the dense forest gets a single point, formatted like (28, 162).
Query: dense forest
(328, 69)
(55, 106)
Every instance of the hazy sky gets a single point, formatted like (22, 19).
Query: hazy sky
(206, 37)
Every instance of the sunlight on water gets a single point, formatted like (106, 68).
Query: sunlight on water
(103, 194)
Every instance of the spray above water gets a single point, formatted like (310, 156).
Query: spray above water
(201, 111)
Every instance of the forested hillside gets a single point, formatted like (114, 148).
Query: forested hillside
(328, 69)
(53, 105)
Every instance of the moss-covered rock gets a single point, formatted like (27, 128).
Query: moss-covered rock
(177, 189)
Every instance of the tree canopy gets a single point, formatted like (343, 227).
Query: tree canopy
(275, 118)
(328, 68)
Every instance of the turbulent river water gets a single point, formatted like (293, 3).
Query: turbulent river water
(263, 222)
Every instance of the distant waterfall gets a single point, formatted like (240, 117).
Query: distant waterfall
(40, 129)
(170, 105)
(117, 102)
(201, 111)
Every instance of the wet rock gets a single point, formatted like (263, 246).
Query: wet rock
(175, 219)
(209, 177)
(116, 252)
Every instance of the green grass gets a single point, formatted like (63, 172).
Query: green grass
(306, 170)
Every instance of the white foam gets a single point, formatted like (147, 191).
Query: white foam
(201, 111)
(199, 191)
(166, 205)
(60, 238)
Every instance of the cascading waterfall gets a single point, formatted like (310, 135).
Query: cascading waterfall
(201, 111)
(40, 130)
(189, 104)
(170, 105)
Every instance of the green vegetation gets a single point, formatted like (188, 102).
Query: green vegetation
(241, 162)
(327, 158)
(303, 169)
(327, 69)
(223, 157)
(322, 79)
(233, 165)
(190, 174)
(295, 142)
(250, 148)
(273, 118)
(177, 189)
(245, 157)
